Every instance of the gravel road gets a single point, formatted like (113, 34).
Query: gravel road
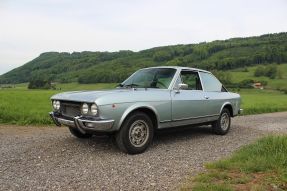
(49, 158)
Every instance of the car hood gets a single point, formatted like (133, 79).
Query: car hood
(86, 96)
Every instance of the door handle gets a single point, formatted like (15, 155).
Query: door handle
(206, 97)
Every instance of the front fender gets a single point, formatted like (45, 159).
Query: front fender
(134, 107)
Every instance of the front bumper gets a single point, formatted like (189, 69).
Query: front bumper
(83, 124)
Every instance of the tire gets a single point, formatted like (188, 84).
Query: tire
(136, 133)
(78, 134)
(222, 125)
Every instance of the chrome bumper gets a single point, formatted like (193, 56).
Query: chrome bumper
(83, 124)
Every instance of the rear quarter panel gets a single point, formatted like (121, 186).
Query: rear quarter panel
(217, 100)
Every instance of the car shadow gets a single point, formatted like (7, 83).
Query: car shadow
(106, 143)
(182, 133)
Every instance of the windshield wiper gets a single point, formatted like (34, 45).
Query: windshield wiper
(120, 85)
(132, 85)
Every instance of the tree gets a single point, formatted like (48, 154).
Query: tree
(162, 56)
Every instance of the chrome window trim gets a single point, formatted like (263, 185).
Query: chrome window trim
(173, 81)
(179, 76)
(200, 77)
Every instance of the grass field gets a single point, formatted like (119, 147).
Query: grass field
(25, 107)
(259, 166)
(256, 101)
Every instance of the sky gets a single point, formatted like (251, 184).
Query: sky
(31, 27)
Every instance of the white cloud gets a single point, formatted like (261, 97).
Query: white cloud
(30, 27)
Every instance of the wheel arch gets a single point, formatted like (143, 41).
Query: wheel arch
(149, 110)
(227, 105)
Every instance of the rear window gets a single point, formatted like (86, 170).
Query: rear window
(210, 83)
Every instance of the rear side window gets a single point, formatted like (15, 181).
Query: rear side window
(210, 83)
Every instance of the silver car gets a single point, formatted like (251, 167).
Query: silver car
(150, 99)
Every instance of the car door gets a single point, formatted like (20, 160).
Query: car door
(214, 93)
(188, 105)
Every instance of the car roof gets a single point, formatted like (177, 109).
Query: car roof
(179, 68)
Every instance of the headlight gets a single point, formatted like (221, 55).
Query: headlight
(94, 109)
(85, 108)
(56, 105)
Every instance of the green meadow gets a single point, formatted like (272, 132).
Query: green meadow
(25, 107)
(277, 83)
(21, 106)
(256, 101)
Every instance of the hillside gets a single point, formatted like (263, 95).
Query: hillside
(94, 67)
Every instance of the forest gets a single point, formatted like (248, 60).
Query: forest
(97, 67)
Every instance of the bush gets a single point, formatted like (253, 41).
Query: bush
(39, 84)
(268, 71)
(247, 83)
(271, 71)
(245, 69)
(263, 83)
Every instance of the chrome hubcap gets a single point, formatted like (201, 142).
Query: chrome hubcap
(139, 133)
(224, 121)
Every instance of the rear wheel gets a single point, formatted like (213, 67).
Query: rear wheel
(78, 134)
(222, 125)
(136, 133)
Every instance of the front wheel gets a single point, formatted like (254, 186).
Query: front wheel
(222, 125)
(136, 133)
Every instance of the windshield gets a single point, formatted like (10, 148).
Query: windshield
(150, 78)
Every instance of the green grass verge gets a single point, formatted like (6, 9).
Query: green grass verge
(258, 166)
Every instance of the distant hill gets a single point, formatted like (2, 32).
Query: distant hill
(94, 67)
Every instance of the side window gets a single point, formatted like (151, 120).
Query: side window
(191, 79)
(210, 82)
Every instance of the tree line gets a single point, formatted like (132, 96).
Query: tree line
(95, 67)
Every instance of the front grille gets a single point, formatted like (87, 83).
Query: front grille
(70, 109)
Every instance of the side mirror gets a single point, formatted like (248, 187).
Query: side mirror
(182, 86)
